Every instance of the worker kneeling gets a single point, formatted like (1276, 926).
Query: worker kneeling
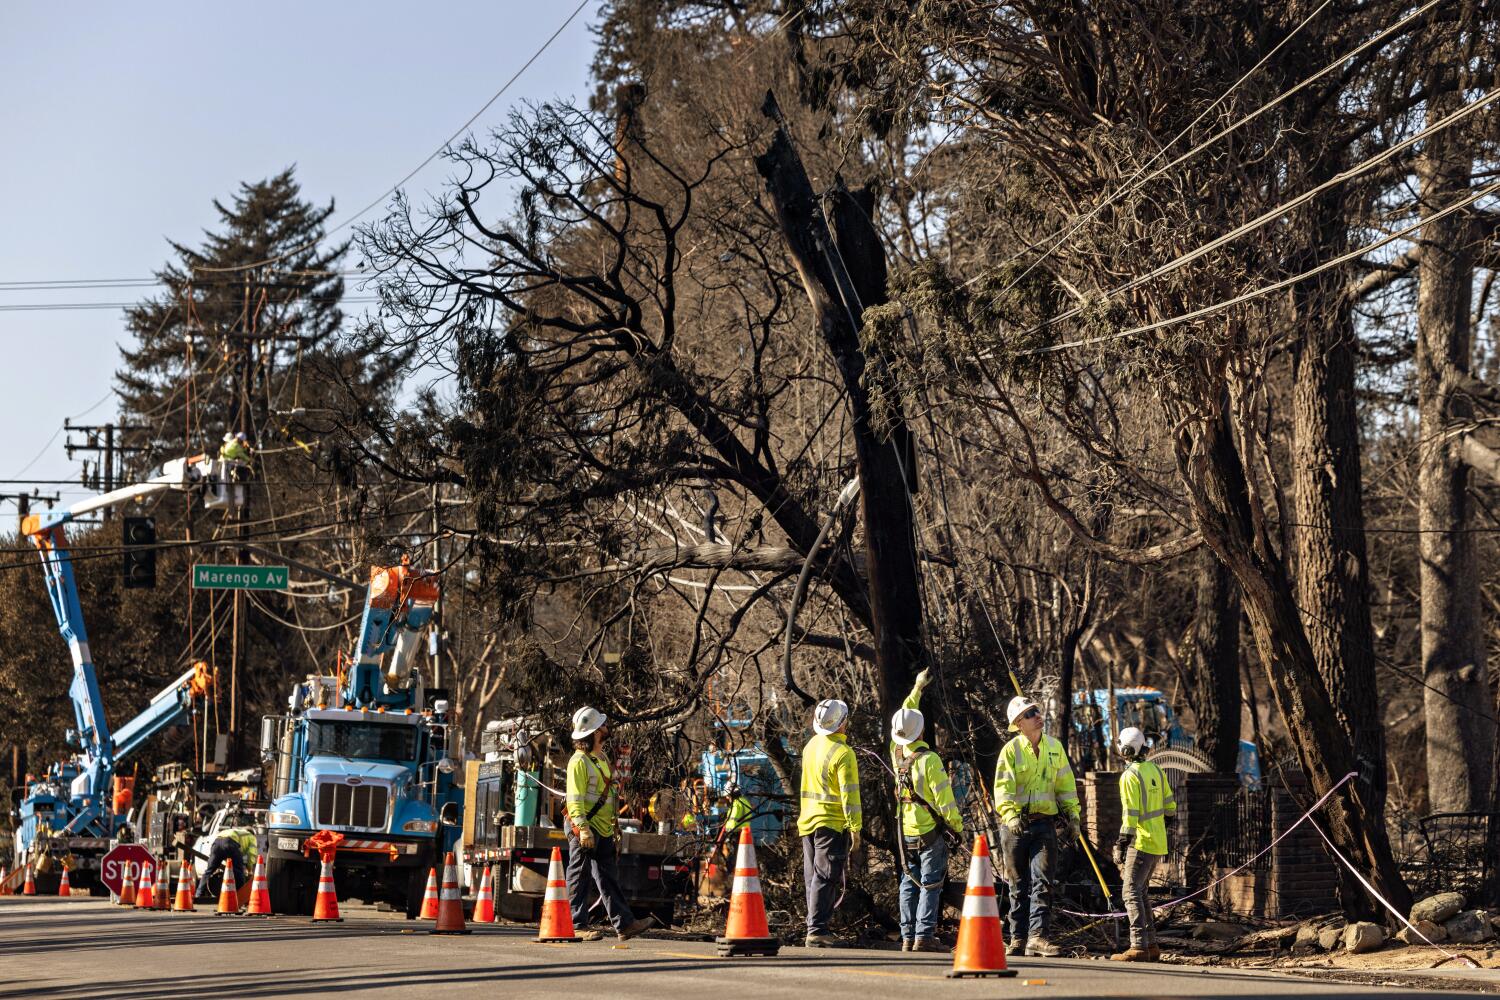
(591, 830)
(1148, 818)
(928, 812)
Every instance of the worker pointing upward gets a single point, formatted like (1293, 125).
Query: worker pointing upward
(831, 816)
(927, 812)
(1034, 788)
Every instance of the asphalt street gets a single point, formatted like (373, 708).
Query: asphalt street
(86, 948)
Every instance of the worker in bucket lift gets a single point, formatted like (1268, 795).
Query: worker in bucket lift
(831, 817)
(235, 447)
(928, 813)
(591, 831)
(1034, 791)
(1148, 820)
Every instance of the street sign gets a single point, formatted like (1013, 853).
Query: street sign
(124, 859)
(239, 577)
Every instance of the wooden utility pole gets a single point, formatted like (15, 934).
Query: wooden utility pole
(842, 265)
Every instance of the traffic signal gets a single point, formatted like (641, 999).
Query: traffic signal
(140, 552)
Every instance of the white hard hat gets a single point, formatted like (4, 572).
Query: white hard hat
(1132, 739)
(228, 436)
(586, 722)
(906, 726)
(829, 715)
(1019, 706)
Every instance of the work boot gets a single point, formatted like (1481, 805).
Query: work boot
(1042, 948)
(1155, 952)
(905, 945)
(635, 927)
(927, 944)
(590, 934)
(822, 941)
(1132, 954)
(1016, 948)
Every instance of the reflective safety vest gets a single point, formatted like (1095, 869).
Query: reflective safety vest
(920, 774)
(739, 814)
(591, 797)
(1145, 802)
(830, 786)
(245, 838)
(1034, 782)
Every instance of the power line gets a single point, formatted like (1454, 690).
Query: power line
(417, 169)
(74, 306)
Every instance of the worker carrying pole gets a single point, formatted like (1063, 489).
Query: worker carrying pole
(831, 816)
(928, 813)
(1148, 819)
(1034, 790)
(591, 830)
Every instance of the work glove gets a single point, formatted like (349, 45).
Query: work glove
(924, 678)
(1171, 835)
(1121, 846)
(855, 841)
(1015, 826)
(586, 838)
(1074, 827)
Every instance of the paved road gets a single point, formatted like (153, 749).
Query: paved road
(88, 950)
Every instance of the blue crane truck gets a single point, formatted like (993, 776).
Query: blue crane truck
(70, 815)
(368, 754)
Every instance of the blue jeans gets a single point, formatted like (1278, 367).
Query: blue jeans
(922, 888)
(1031, 856)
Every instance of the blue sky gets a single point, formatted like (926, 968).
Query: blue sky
(122, 122)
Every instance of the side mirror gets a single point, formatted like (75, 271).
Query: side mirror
(449, 814)
(268, 734)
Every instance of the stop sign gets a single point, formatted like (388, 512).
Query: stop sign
(122, 860)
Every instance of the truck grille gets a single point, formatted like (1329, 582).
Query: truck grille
(360, 807)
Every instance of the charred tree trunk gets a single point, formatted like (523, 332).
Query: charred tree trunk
(843, 270)
(1213, 474)
(1460, 741)
(1215, 663)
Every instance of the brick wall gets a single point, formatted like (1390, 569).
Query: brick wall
(1301, 878)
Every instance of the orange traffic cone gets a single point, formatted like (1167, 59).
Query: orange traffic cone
(450, 915)
(326, 909)
(4, 881)
(430, 897)
(29, 889)
(64, 888)
(145, 895)
(187, 888)
(260, 893)
(484, 903)
(229, 895)
(981, 942)
(127, 888)
(557, 917)
(747, 932)
(159, 894)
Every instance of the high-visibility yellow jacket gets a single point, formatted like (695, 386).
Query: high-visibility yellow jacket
(929, 779)
(234, 451)
(1034, 782)
(830, 786)
(1145, 802)
(739, 814)
(245, 838)
(588, 783)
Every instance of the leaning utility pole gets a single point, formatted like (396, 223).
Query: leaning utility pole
(843, 269)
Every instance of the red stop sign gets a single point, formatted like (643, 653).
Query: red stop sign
(122, 860)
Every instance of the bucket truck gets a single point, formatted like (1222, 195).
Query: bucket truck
(70, 810)
(367, 755)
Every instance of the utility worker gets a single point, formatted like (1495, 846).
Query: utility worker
(235, 448)
(591, 831)
(740, 810)
(1148, 818)
(237, 844)
(831, 816)
(1034, 788)
(928, 812)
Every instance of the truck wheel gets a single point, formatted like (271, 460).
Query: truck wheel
(288, 882)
